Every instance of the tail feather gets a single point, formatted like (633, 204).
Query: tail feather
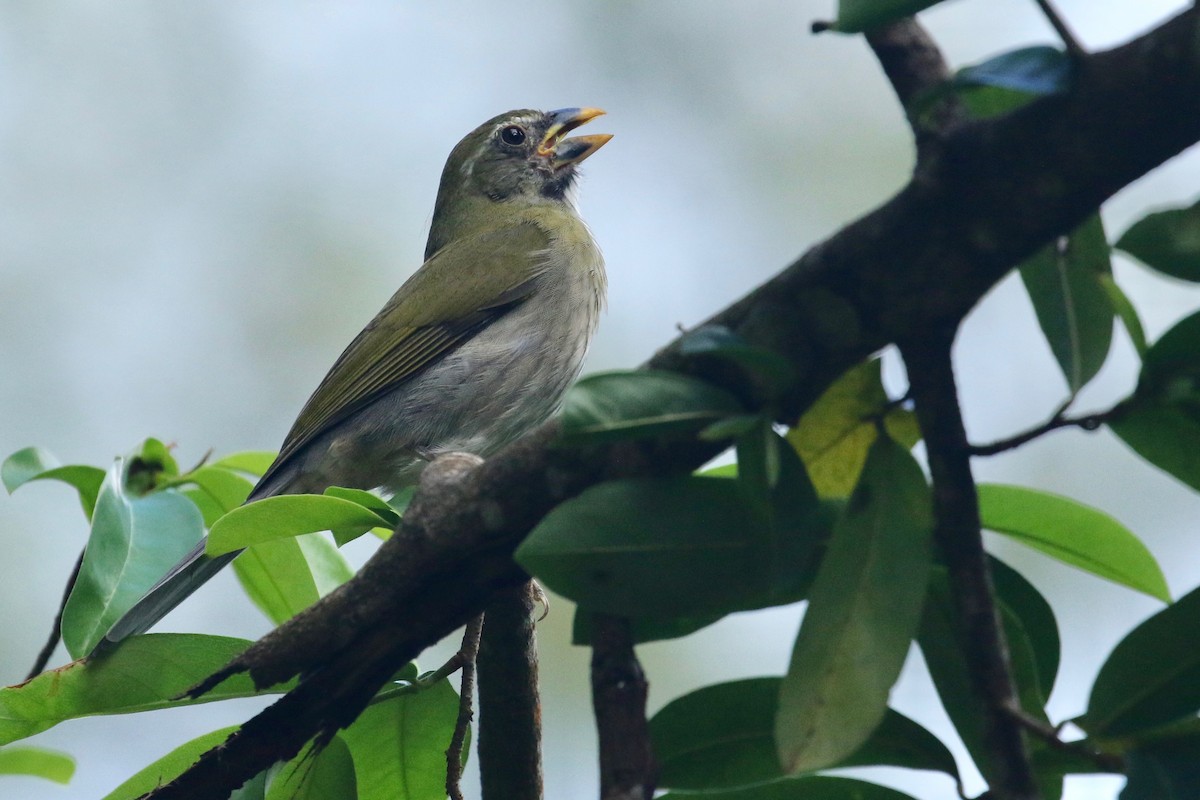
(184, 578)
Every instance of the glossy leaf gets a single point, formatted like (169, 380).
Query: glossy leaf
(368, 500)
(856, 16)
(1161, 422)
(34, 463)
(287, 515)
(252, 462)
(170, 766)
(134, 540)
(1030, 618)
(640, 403)
(1064, 282)
(682, 546)
(1125, 312)
(1168, 241)
(285, 576)
(1167, 769)
(812, 787)
(723, 736)
(399, 745)
(642, 629)
(1073, 533)
(143, 674)
(225, 486)
(1152, 676)
(1033, 641)
(1037, 70)
(324, 775)
(37, 762)
(864, 608)
(836, 432)
(769, 374)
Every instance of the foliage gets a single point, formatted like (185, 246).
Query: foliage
(834, 511)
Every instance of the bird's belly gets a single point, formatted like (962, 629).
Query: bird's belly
(489, 391)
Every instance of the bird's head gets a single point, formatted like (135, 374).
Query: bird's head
(521, 156)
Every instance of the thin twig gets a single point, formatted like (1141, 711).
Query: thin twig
(1060, 27)
(627, 767)
(1089, 422)
(510, 711)
(55, 637)
(467, 654)
(957, 532)
(1107, 762)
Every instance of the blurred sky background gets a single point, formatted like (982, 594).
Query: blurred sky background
(201, 203)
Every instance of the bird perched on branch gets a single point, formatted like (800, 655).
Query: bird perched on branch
(475, 349)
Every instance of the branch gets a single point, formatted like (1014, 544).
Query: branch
(960, 542)
(510, 709)
(920, 261)
(467, 658)
(627, 767)
(1089, 422)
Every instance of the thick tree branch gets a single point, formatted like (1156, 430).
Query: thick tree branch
(627, 766)
(988, 195)
(960, 542)
(510, 708)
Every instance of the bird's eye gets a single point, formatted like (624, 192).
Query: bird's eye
(513, 135)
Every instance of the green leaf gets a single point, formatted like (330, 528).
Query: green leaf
(856, 16)
(170, 766)
(34, 463)
(134, 540)
(38, 762)
(150, 467)
(285, 576)
(812, 787)
(1037, 70)
(768, 374)
(639, 403)
(1152, 676)
(642, 629)
(723, 736)
(681, 546)
(252, 462)
(323, 775)
(399, 745)
(143, 674)
(1168, 241)
(1073, 533)
(863, 611)
(1031, 621)
(836, 432)
(1125, 311)
(1032, 637)
(367, 500)
(1164, 770)
(1073, 308)
(1161, 421)
(1164, 434)
(287, 515)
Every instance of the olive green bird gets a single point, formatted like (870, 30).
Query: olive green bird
(475, 349)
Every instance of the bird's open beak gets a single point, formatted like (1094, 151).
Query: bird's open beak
(562, 152)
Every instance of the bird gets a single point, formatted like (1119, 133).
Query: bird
(476, 348)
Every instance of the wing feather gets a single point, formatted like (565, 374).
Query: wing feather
(476, 281)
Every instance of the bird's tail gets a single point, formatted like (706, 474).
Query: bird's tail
(184, 578)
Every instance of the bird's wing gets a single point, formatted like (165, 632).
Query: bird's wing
(478, 279)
